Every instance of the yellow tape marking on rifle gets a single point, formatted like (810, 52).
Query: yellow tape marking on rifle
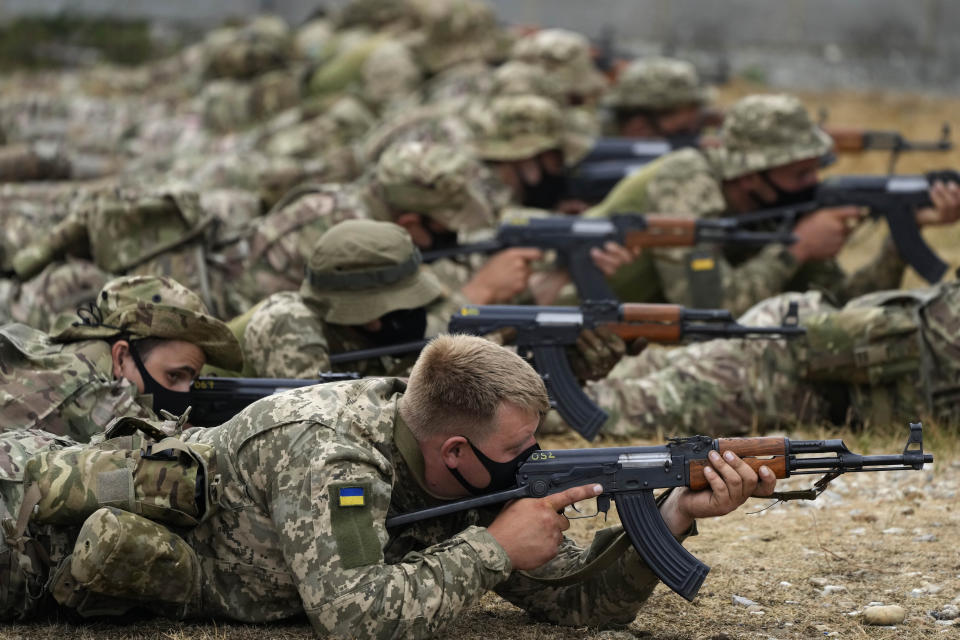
(703, 264)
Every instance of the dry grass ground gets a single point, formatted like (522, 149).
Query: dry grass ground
(889, 537)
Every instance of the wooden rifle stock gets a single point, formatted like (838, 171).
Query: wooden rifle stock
(756, 452)
(847, 139)
(663, 231)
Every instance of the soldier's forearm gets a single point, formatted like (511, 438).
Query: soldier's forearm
(417, 598)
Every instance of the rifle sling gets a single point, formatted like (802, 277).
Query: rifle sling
(593, 568)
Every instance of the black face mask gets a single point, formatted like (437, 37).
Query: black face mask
(176, 402)
(399, 326)
(551, 189)
(503, 475)
(786, 198)
(442, 239)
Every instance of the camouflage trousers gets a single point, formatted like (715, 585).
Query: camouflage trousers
(719, 387)
(64, 561)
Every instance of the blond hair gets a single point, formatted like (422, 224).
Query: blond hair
(459, 383)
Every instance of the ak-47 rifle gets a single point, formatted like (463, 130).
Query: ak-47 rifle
(629, 476)
(573, 238)
(894, 198)
(851, 139)
(542, 333)
(612, 159)
(215, 400)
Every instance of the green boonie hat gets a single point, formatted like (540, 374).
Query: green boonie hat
(436, 180)
(454, 31)
(155, 307)
(565, 56)
(363, 269)
(519, 127)
(657, 83)
(766, 131)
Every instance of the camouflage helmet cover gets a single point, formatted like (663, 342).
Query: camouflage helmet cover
(437, 180)
(657, 84)
(361, 270)
(761, 132)
(155, 307)
(565, 56)
(454, 31)
(515, 77)
(519, 127)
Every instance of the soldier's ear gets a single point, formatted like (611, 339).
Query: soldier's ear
(119, 353)
(452, 450)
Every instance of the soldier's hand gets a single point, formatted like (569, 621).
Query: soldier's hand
(597, 352)
(611, 257)
(946, 205)
(822, 234)
(731, 481)
(502, 277)
(531, 530)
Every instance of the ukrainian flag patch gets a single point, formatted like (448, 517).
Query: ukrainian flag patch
(351, 496)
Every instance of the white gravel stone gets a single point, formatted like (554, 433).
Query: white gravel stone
(887, 615)
(744, 602)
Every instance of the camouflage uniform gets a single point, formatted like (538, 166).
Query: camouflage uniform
(883, 358)
(279, 540)
(564, 56)
(759, 133)
(657, 84)
(437, 181)
(359, 271)
(517, 127)
(63, 382)
(126, 230)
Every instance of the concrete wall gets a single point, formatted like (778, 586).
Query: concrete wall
(799, 43)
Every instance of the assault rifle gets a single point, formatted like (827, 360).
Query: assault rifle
(612, 159)
(543, 332)
(603, 168)
(895, 198)
(629, 475)
(850, 139)
(215, 400)
(573, 238)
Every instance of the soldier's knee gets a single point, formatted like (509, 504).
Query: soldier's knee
(121, 561)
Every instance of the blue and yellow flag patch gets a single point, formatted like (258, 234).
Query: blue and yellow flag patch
(351, 496)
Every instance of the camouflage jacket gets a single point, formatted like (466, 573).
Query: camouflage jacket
(882, 359)
(686, 182)
(64, 389)
(286, 337)
(284, 238)
(286, 541)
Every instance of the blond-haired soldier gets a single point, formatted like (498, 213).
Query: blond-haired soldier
(306, 480)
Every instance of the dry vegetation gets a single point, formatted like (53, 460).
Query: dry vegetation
(885, 537)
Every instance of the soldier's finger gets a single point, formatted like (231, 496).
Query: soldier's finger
(730, 476)
(588, 339)
(574, 494)
(527, 253)
(617, 250)
(720, 492)
(768, 482)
